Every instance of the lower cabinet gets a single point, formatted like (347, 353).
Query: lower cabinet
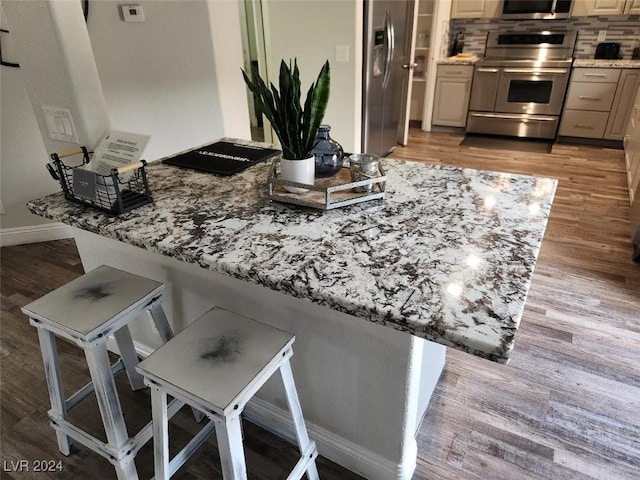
(599, 102)
(622, 104)
(451, 103)
(632, 151)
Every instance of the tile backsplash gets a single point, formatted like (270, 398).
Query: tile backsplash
(623, 29)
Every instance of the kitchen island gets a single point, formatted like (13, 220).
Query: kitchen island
(445, 259)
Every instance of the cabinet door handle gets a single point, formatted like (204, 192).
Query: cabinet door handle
(599, 75)
(536, 71)
(583, 125)
(514, 117)
(586, 97)
(407, 66)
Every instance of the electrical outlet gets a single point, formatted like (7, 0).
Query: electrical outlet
(602, 35)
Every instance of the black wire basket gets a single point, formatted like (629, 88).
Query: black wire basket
(117, 193)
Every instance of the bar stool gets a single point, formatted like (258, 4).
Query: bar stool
(216, 364)
(86, 311)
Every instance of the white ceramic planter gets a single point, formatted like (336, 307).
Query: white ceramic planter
(300, 171)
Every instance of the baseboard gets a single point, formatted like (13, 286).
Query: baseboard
(337, 449)
(596, 142)
(34, 233)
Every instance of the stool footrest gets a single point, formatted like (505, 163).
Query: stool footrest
(183, 455)
(88, 389)
(129, 449)
(308, 457)
(82, 437)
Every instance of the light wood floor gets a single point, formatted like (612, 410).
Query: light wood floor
(566, 407)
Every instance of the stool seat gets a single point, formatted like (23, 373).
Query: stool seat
(216, 358)
(87, 311)
(216, 365)
(93, 302)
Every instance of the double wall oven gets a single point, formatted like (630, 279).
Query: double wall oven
(519, 88)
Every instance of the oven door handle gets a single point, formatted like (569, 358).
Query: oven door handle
(537, 71)
(487, 70)
(506, 116)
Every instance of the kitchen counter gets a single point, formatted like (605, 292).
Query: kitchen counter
(429, 260)
(459, 60)
(448, 257)
(603, 63)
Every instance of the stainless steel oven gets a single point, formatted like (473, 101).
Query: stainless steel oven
(519, 88)
(532, 90)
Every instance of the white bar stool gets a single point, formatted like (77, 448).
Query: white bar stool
(86, 311)
(216, 364)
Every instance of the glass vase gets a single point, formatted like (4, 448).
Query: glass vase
(328, 153)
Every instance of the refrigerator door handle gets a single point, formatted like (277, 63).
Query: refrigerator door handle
(389, 34)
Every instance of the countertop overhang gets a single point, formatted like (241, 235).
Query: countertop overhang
(447, 256)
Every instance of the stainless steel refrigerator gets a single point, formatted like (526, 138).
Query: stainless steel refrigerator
(386, 24)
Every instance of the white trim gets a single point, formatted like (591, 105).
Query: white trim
(337, 449)
(34, 233)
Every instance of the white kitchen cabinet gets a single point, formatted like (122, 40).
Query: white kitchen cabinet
(612, 7)
(599, 102)
(589, 100)
(633, 7)
(451, 103)
(622, 104)
(476, 8)
(632, 153)
(468, 8)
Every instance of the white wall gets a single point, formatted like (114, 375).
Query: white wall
(310, 31)
(22, 153)
(175, 77)
(50, 42)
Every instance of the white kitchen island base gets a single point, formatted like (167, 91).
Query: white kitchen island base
(364, 389)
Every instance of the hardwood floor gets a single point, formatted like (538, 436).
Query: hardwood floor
(566, 407)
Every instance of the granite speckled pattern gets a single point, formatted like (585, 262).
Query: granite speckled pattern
(603, 63)
(448, 255)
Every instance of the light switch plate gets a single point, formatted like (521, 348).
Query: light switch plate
(60, 123)
(132, 13)
(342, 53)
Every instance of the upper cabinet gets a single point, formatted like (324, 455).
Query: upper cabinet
(633, 7)
(606, 7)
(475, 8)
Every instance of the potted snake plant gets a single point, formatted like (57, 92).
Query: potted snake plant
(296, 125)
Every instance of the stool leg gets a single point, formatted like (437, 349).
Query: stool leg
(161, 322)
(296, 414)
(160, 433)
(166, 334)
(229, 435)
(54, 383)
(109, 404)
(129, 357)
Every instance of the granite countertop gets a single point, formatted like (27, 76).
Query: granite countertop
(448, 255)
(603, 63)
(459, 60)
